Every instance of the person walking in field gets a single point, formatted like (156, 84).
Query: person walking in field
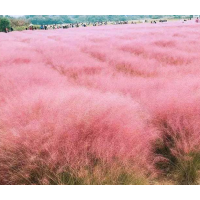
(6, 30)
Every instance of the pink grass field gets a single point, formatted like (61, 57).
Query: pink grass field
(101, 105)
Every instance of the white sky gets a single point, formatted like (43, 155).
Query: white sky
(103, 7)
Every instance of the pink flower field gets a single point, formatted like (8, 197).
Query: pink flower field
(116, 104)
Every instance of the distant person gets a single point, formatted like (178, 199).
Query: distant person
(26, 28)
(197, 20)
(6, 30)
(11, 29)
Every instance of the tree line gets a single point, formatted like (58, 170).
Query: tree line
(60, 19)
(8, 21)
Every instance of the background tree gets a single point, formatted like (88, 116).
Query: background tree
(4, 23)
(19, 22)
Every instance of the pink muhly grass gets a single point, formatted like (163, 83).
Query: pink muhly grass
(100, 105)
(61, 130)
